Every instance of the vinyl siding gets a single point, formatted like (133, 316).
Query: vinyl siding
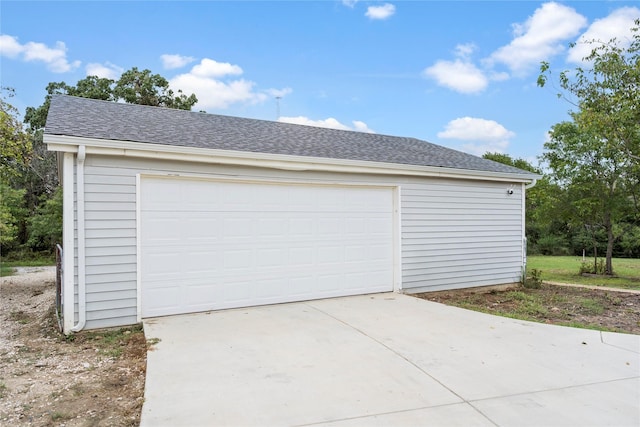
(454, 233)
(110, 230)
(458, 234)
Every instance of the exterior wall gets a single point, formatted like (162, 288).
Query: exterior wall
(458, 234)
(455, 233)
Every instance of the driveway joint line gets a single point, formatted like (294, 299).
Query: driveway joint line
(420, 408)
(602, 341)
(471, 401)
(405, 359)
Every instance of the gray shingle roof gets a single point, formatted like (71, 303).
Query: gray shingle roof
(89, 118)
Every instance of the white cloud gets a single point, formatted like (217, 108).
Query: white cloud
(484, 135)
(213, 84)
(459, 75)
(465, 50)
(361, 126)
(170, 62)
(210, 68)
(279, 93)
(214, 93)
(9, 46)
(349, 3)
(55, 58)
(498, 77)
(380, 12)
(617, 25)
(106, 70)
(330, 123)
(540, 37)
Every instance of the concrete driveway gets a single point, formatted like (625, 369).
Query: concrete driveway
(385, 359)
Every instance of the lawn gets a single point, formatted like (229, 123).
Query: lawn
(565, 269)
(6, 267)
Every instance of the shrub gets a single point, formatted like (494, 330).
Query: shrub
(590, 267)
(533, 280)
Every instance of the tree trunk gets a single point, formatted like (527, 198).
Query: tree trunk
(609, 264)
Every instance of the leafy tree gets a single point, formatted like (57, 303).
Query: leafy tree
(15, 145)
(506, 159)
(45, 226)
(607, 91)
(594, 176)
(595, 156)
(142, 87)
(12, 211)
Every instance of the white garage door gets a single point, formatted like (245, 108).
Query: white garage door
(208, 245)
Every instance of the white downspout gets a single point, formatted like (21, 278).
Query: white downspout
(68, 290)
(82, 294)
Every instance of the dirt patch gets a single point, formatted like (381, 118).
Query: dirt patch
(95, 378)
(561, 305)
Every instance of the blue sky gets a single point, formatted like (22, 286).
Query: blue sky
(457, 73)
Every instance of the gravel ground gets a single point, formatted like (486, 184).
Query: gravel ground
(46, 379)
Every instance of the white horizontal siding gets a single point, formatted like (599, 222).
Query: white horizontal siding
(458, 234)
(110, 230)
(454, 233)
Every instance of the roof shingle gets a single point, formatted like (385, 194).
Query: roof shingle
(90, 118)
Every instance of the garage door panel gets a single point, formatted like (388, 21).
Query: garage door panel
(219, 245)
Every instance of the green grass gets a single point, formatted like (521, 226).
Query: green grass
(7, 264)
(565, 269)
(5, 270)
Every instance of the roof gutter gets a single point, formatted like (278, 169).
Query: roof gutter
(277, 161)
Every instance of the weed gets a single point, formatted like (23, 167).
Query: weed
(533, 308)
(20, 317)
(3, 390)
(612, 299)
(109, 342)
(559, 299)
(77, 389)
(58, 416)
(534, 280)
(592, 306)
(518, 295)
(113, 352)
(153, 341)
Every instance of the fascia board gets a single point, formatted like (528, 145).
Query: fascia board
(278, 161)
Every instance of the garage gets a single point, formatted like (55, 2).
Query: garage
(217, 244)
(169, 212)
